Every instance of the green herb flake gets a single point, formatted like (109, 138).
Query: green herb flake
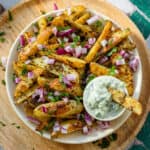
(114, 50)
(78, 98)
(49, 18)
(73, 45)
(76, 39)
(3, 82)
(113, 137)
(105, 143)
(50, 125)
(63, 28)
(60, 77)
(119, 57)
(24, 71)
(18, 127)
(112, 71)
(2, 33)
(42, 12)
(10, 17)
(2, 40)
(98, 23)
(90, 78)
(2, 124)
(62, 44)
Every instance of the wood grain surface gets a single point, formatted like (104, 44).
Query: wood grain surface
(12, 138)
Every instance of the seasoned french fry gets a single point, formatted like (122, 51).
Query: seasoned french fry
(72, 61)
(42, 23)
(116, 39)
(126, 101)
(83, 18)
(70, 126)
(96, 47)
(98, 70)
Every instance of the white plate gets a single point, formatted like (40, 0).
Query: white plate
(78, 137)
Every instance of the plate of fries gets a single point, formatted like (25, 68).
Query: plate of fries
(52, 61)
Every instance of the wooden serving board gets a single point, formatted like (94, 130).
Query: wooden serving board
(12, 138)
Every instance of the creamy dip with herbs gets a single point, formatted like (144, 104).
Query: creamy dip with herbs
(98, 100)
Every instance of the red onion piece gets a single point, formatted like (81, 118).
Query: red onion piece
(35, 29)
(33, 120)
(56, 93)
(71, 77)
(48, 61)
(63, 130)
(32, 39)
(120, 62)
(103, 124)
(87, 46)
(103, 60)
(66, 81)
(55, 6)
(40, 93)
(134, 63)
(27, 62)
(65, 32)
(65, 39)
(40, 46)
(88, 119)
(56, 127)
(69, 49)
(55, 31)
(61, 51)
(30, 75)
(65, 99)
(4, 61)
(17, 80)
(85, 130)
(22, 41)
(124, 54)
(104, 43)
(92, 20)
(78, 51)
(91, 41)
(44, 109)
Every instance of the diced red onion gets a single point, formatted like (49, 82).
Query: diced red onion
(104, 43)
(27, 62)
(30, 75)
(103, 124)
(85, 130)
(92, 20)
(17, 80)
(69, 11)
(73, 35)
(61, 51)
(65, 99)
(71, 77)
(40, 46)
(66, 81)
(103, 60)
(55, 6)
(66, 39)
(91, 41)
(48, 61)
(63, 130)
(55, 31)
(4, 61)
(68, 49)
(44, 109)
(22, 41)
(124, 54)
(84, 50)
(65, 32)
(88, 119)
(33, 120)
(32, 39)
(56, 127)
(120, 62)
(39, 92)
(87, 45)
(35, 29)
(134, 63)
(56, 93)
(78, 51)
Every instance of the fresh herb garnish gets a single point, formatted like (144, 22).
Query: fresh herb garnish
(119, 57)
(2, 40)
(62, 44)
(113, 137)
(50, 125)
(90, 78)
(78, 98)
(19, 47)
(98, 23)
(76, 39)
(10, 17)
(60, 77)
(24, 71)
(63, 28)
(3, 82)
(2, 124)
(114, 50)
(2, 33)
(49, 18)
(73, 45)
(112, 71)
(42, 12)
(105, 143)
(64, 95)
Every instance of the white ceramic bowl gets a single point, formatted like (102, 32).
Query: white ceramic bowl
(78, 137)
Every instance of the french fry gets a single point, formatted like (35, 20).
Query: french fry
(42, 23)
(83, 18)
(96, 47)
(126, 101)
(98, 70)
(116, 38)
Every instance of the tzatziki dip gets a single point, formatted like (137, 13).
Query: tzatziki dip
(98, 100)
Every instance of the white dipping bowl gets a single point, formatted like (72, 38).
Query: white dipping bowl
(77, 137)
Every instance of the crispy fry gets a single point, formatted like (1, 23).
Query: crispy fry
(83, 18)
(98, 70)
(126, 101)
(42, 23)
(93, 51)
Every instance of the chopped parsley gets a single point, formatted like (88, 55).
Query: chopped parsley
(62, 44)
(76, 39)
(50, 125)
(2, 40)
(2, 124)
(49, 18)
(10, 17)
(24, 71)
(2, 33)
(90, 78)
(63, 28)
(60, 77)
(114, 50)
(78, 98)
(19, 47)
(98, 23)
(3, 82)
(112, 71)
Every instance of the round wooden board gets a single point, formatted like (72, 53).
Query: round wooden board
(25, 139)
